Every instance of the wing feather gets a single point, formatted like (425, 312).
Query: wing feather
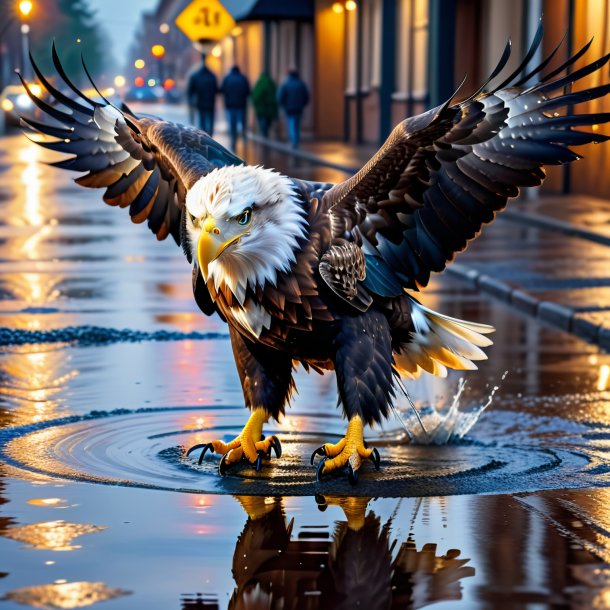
(442, 175)
(144, 164)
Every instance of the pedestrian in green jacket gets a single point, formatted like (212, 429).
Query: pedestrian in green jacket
(265, 103)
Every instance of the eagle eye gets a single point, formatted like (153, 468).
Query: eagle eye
(245, 217)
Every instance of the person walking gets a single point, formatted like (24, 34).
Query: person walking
(236, 89)
(201, 95)
(264, 100)
(293, 96)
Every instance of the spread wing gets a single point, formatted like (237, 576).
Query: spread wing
(443, 174)
(145, 164)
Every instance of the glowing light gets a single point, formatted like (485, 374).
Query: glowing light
(152, 82)
(23, 101)
(164, 28)
(604, 377)
(25, 28)
(78, 40)
(35, 88)
(350, 5)
(170, 83)
(337, 8)
(7, 105)
(109, 91)
(138, 81)
(25, 7)
(158, 51)
(119, 81)
(216, 51)
(45, 501)
(51, 535)
(139, 63)
(63, 594)
(236, 31)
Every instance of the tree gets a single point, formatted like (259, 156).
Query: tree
(73, 25)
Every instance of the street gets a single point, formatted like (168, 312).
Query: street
(109, 372)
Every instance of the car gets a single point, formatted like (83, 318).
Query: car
(144, 94)
(14, 101)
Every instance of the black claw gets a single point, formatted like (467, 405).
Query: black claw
(276, 445)
(262, 437)
(222, 466)
(352, 475)
(320, 468)
(259, 460)
(204, 446)
(319, 451)
(376, 458)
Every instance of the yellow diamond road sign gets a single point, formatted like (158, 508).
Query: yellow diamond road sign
(205, 20)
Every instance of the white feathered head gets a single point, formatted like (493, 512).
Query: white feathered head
(243, 226)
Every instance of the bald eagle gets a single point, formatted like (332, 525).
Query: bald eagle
(323, 275)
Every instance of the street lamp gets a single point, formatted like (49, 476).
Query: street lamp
(25, 8)
(158, 52)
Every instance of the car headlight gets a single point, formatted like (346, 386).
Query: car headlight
(23, 101)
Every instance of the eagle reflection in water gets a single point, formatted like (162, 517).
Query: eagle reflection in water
(358, 565)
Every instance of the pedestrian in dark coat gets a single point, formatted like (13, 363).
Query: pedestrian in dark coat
(201, 94)
(264, 100)
(293, 96)
(236, 89)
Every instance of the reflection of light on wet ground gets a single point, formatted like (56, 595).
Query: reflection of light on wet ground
(604, 377)
(65, 595)
(46, 501)
(593, 589)
(51, 535)
(33, 380)
(30, 180)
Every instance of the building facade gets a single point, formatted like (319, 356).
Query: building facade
(371, 63)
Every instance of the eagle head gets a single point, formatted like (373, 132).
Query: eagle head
(243, 226)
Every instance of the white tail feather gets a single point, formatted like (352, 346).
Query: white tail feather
(440, 342)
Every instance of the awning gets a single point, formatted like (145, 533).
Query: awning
(275, 10)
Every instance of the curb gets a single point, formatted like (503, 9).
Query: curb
(531, 219)
(554, 314)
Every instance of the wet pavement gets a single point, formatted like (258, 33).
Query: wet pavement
(108, 371)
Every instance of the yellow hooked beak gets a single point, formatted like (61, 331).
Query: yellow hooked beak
(211, 245)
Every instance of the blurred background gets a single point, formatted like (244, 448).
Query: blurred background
(367, 63)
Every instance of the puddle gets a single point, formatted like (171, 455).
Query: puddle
(146, 448)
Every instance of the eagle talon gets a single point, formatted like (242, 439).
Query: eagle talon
(352, 475)
(375, 458)
(320, 468)
(204, 446)
(259, 460)
(276, 446)
(319, 451)
(222, 466)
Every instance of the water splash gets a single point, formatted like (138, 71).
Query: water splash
(429, 425)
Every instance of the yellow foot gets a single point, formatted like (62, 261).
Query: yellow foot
(250, 445)
(349, 451)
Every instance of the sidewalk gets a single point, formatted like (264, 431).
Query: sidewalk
(547, 256)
